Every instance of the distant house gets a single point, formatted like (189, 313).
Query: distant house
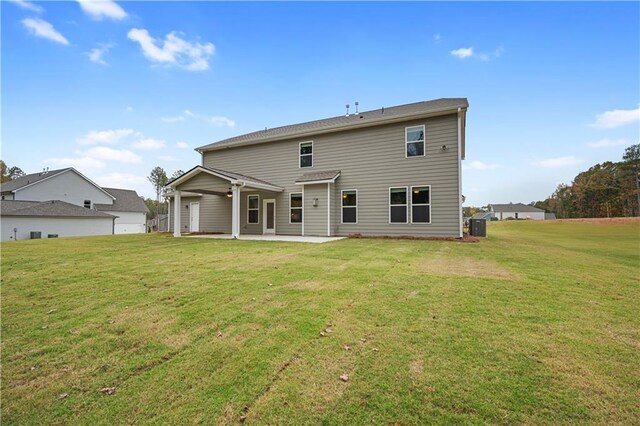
(48, 219)
(125, 208)
(516, 211)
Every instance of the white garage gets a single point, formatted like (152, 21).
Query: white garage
(128, 208)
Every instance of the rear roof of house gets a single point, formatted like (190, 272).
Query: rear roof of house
(127, 200)
(515, 207)
(25, 180)
(340, 122)
(52, 208)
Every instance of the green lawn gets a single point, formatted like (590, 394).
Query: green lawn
(539, 323)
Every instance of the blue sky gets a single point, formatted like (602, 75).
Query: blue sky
(115, 89)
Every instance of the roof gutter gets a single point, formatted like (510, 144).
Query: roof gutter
(335, 128)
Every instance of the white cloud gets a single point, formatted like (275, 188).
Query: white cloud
(41, 28)
(107, 136)
(479, 165)
(463, 52)
(129, 109)
(149, 144)
(167, 158)
(616, 118)
(468, 52)
(174, 50)
(558, 162)
(97, 53)
(126, 181)
(104, 153)
(182, 145)
(27, 5)
(81, 163)
(605, 143)
(216, 120)
(100, 9)
(221, 121)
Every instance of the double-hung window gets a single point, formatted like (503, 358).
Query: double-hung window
(398, 205)
(253, 209)
(414, 141)
(350, 206)
(306, 154)
(420, 204)
(295, 207)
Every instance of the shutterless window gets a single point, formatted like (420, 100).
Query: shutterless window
(306, 154)
(253, 209)
(295, 207)
(350, 206)
(420, 204)
(398, 205)
(87, 204)
(414, 138)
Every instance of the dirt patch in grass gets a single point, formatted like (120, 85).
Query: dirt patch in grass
(465, 267)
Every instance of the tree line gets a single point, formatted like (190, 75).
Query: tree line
(159, 179)
(609, 189)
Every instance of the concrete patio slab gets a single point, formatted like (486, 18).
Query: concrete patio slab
(286, 238)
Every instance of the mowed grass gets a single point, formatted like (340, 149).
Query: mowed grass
(539, 323)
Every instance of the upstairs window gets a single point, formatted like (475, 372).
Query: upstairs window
(420, 204)
(295, 207)
(414, 141)
(398, 205)
(350, 206)
(306, 154)
(87, 204)
(253, 209)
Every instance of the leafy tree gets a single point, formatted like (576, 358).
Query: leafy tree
(3, 172)
(9, 173)
(15, 172)
(631, 179)
(176, 174)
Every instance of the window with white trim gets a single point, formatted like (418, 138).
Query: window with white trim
(306, 154)
(421, 204)
(350, 206)
(87, 204)
(295, 207)
(253, 209)
(398, 205)
(414, 141)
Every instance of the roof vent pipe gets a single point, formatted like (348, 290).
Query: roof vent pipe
(347, 114)
(357, 103)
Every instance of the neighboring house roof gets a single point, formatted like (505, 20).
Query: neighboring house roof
(362, 119)
(482, 215)
(232, 177)
(52, 208)
(514, 207)
(126, 200)
(25, 180)
(34, 178)
(319, 177)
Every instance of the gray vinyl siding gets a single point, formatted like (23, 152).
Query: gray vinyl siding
(315, 217)
(66, 186)
(371, 160)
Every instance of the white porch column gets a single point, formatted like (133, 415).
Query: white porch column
(235, 211)
(176, 213)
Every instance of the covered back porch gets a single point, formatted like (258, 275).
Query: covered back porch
(205, 181)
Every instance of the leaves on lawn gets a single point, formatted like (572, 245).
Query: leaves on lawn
(219, 333)
(347, 348)
(44, 327)
(242, 419)
(51, 311)
(109, 390)
(344, 377)
(63, 396)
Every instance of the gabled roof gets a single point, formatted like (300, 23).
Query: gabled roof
(318, 177)
(514, 207)
(232, 177)
(48, 209)
(35, 178)
(25, 180)
(126, 200)
(363, 119)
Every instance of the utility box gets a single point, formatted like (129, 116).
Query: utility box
(36, 235)
(52, 236)
(478, 227)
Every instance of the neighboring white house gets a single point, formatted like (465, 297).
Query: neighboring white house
(516, 211)
(73, 189)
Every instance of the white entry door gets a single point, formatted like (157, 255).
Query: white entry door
(194, 217)
(269, 216)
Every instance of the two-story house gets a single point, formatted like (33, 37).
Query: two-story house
(391, 171)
